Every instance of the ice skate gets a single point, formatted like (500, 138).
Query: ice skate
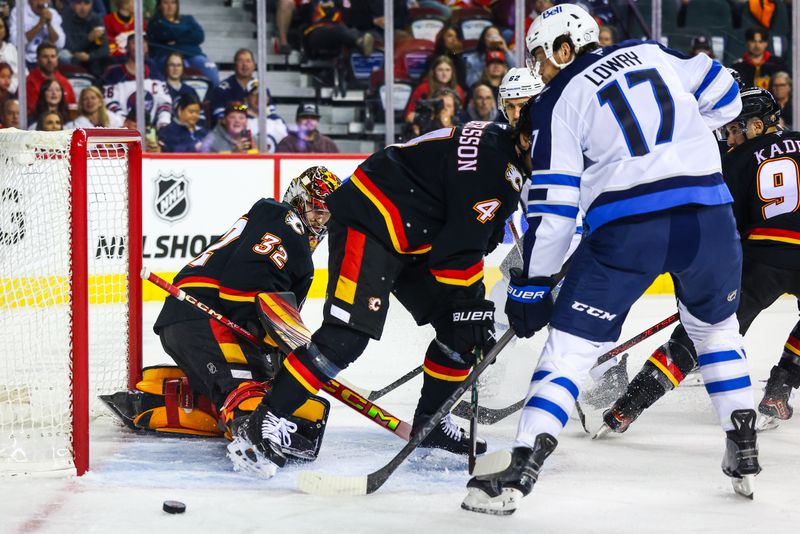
(774, 407)
(741, 453)
(259, 440)
(499, 493)
(448, 436)
(614, 420)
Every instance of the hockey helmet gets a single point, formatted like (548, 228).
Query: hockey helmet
(759, 103)
(736, 76)
(518, 83)
(307, 194)
(563, 19)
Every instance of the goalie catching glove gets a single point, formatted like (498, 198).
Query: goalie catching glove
(529, 305)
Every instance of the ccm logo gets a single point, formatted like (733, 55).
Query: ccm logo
(594, 312)
(522, 294)
(473, 316)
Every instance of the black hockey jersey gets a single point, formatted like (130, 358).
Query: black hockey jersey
(265, 250)
(444, 196)
(762, 174)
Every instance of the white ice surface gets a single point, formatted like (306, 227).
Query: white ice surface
(663, 475)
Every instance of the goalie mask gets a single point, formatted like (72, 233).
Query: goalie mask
(518, 83)
(307, 194)
(563, 19)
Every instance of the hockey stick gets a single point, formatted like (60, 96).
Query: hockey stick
(337, 389)
(473, 421)
(328, 484)
(489, 416)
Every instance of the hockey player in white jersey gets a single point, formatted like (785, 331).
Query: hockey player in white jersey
(623, 134)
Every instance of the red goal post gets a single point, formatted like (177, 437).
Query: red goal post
(70, 217)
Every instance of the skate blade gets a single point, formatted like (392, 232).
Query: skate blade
(744, 486)
(479, 501)
(766, 422)
(602, 432)
(246, 459)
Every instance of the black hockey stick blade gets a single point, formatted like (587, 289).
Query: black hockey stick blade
(328, 484)
(490, 416)
(486, 416)
(375, 395)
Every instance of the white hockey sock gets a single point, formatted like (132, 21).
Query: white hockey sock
(551, 398)
(727, 380)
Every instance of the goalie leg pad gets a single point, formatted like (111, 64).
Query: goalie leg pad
(164, 402)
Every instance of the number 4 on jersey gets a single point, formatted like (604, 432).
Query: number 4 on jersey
(486, 209)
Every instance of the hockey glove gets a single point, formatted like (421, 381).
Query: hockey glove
(529, 305)
(470, 325)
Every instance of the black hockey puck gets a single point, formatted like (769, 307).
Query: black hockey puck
(174, 507)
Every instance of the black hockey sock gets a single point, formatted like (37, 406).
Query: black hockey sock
(790, 359)
(441, 377)
(664, 370)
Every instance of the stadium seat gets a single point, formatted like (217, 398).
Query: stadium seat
(425, 23)
(80, 81)
(199, 83)
(471, 21)
(411, 57)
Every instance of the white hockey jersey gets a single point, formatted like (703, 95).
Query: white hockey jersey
(623, 131)
(119, 92)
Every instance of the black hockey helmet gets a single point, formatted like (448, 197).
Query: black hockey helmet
(736, 76)
(759, 103)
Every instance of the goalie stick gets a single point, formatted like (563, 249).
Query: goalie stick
(489, 416)
(336, 389)
(328, 484)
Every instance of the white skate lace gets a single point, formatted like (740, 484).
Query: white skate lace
(450, 427)
(278, 430)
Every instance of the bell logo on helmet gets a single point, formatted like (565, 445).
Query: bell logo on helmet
(552, 11)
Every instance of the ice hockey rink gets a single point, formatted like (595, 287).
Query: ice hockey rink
(663, 475)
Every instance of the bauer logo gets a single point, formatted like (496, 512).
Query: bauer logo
(171, 200)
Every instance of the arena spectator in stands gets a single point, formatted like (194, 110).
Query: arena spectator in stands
(443, 111)
(606, 36)
(234, 87)
(92, 112)
(276, 126)
(50, 98)
(283, 21)
(87, 42)
(119, 26)
(231, 133)
(496, 68)
(701, 45)
(307, 137)
(169, 31)
(8, 54)
(50, 121)
(475, 61)
(177, 88)
(183, 134)
(10, 116)
(781, 89)
(120, 90)
(326, 30)
(441, 74)
(482, 105)
(757, 64)
(150, 135)
(367, 16)
(5, 82)
(448, 44)
(42, 23)
(46, 69)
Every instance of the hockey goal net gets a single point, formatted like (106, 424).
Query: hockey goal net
(70, 291)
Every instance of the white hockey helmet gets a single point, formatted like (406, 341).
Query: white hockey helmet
(563, 19)
(518, 82)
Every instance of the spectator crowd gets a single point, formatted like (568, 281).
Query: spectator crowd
(188, 108)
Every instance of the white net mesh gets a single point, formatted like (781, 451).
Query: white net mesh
(35, 281)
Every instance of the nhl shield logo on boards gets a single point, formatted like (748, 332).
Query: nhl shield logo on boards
(171, 200)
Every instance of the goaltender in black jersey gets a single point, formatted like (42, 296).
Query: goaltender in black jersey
(219, 376)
